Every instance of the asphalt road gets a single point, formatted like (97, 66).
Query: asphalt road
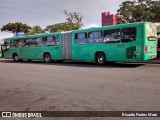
(76, 86)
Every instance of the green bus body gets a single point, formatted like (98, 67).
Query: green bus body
(33, 52)
(0, 51)
(132, 42)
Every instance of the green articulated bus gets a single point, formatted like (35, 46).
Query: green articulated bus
(132, 42)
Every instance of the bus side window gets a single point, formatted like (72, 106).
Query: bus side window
(6, 46)
(33, 43)
(13, 43)
(80, 38)
(22, 43)
(128, 34)
(29, 42)
(57, 40)
(17, 43)
(50, 41)
(39, 41)
(112, 36)
(95, 37)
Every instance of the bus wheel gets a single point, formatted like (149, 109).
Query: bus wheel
(47, 57)
(29, 60)
(21, 60)
(59, 61)
(15, 57)
(100, 58)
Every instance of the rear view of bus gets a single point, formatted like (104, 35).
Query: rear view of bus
(150, 44)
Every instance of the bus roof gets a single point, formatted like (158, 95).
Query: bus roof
(32, 36)
(113, 26)
(74, 31)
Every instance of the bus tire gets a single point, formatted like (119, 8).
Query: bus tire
(59, 61)
(47, 57)
(15, 58)
(100, 58)
(21, 60)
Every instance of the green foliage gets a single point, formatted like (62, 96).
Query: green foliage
(126, 10)
(155, 9)
(59, 27)
(36, 30)
(141, 10)
(74, 18)
(16, 27)
(73, 22)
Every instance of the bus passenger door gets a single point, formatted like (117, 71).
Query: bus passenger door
(81, 50)
(67, 46)
(114, 47)
(21, 53)
(120, 52)
(21, 49)
(131, 41)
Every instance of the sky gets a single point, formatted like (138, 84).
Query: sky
(47, 12)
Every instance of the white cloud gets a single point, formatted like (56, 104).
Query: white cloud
(91, 25)
(46, 12)
(5, 35)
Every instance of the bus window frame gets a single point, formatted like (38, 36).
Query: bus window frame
(112, 41)
(85, 38)
(22, 44)
(57, 40)
(37, 43)
(53, 40)
(16, 43)
(100, 39)
(129, 39)
(29, 44)
(6, 45)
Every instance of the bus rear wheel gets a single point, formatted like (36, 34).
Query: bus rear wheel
(100, 58)
(47, 57)
(15, 58)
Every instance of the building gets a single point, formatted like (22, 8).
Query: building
(108, 19)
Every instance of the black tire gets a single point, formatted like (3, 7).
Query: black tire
(47, 57)
(100, 58)
(59, 61)
(15, 58)
(21, 60)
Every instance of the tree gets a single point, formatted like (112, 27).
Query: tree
(36, 30)
(120, 19)
(154, 8)
(73, 22)
(74, 19)
(16, 27)
(126, 10)
(59, 27)
(140, 10)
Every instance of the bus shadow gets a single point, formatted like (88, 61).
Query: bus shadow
(94, 65)
(80, 64)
